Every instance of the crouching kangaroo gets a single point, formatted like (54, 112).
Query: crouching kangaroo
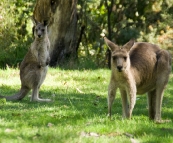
(34, 66)
(138, 68)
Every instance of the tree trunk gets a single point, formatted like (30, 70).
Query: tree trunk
(109, 9)
(62, 28)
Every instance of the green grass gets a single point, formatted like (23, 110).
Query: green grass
(78, 113)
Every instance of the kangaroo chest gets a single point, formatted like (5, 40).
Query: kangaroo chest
(127, 80)
(43, 52)
(123, 80)
(40, 50)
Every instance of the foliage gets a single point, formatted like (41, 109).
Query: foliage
(121, 20)
(79, 111)
(15, 31)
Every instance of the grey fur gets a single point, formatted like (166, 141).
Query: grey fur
(33, 68)
(138, 68)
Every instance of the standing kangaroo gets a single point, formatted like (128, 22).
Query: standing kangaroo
(138, 68)
(33, 68)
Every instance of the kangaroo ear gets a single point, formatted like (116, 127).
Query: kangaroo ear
(35, 22)
(110, 44)
(129, 45)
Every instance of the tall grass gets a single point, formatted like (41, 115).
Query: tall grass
(79, 111)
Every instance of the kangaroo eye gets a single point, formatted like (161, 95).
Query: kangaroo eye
(125, 58)
(52, 2)
(114, 58)
(42, 30)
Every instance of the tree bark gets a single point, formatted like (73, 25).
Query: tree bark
(109, 9)
(62, 29)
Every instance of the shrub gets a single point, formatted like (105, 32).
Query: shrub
(15, 31)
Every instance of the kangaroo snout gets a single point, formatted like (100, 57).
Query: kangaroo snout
(39, 36)
(119, 68)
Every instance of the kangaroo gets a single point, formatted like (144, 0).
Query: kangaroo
(33, 68)
(138, 68)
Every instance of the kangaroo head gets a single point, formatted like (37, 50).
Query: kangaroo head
(120, 54)
(39, 29)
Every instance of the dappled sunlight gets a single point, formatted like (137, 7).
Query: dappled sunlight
(79, 110)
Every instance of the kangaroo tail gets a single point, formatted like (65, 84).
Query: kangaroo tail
(18, 96)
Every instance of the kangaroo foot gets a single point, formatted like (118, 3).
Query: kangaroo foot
(162, 121)
(41, 100)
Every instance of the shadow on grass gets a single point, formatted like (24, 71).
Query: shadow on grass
(90, 104)
(66, 108)
(78, 109)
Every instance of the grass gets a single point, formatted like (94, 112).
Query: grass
(79, 112)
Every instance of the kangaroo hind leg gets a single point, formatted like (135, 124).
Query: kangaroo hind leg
(152, 104)
(163, 71)
(35, 96)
